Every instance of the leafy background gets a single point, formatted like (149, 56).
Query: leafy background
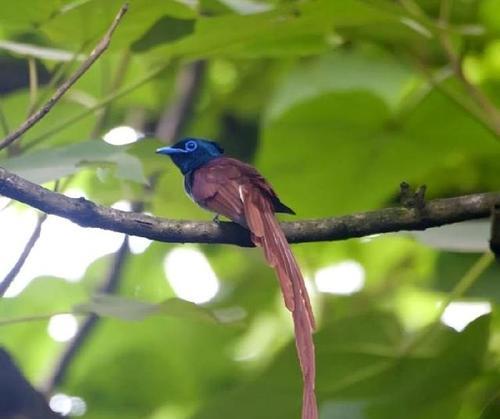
(336, 102)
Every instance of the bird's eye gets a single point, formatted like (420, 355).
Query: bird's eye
(191, 146)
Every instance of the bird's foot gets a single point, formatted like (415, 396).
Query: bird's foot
(217, 219)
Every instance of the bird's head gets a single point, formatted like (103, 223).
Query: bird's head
(191, 153)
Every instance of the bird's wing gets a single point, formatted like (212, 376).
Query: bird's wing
(215, 186)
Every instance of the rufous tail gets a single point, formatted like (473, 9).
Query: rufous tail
(267, 233)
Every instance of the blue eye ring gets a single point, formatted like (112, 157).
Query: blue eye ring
(191, 145)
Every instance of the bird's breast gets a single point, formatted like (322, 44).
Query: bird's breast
(189, 187)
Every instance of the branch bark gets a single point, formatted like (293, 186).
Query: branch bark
(59, 93)
(88, 214)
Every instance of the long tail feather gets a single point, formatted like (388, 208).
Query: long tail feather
(267, 233)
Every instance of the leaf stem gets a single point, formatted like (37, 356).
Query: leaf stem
(59, 93)
(490, 114)
(58, 76)
(103, 102)
(462, 286)
(469, 107)
(34, 318)
(33, 81)
(3, 121)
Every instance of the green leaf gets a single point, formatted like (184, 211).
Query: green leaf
(165, 29)
(128, 309)
(184, 309)
(291, 29)
(117, 307)
(342, 71)
(490, 14)
(423, 388)
(348, 144)
(51, 164)
(450, 267)
(30, 341)
(246, 7)
(359, 362)
(326, 98)
(16, 104)
(88, 20)
(23, 15)
(36, 51)
(285, 31)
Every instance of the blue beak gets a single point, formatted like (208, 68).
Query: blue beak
(170, 150)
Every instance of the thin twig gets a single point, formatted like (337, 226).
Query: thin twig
(413, 8)
(89, 111)
(468, 106)
(175, 116)
(109, 286)
(14, 148)
(491, 114)
(33, 80)
(445, 12)
(464, 284)
(92, 58)
(88, 214)
(9, 278)
(479, 97)
(3, 121)
(118, 78)
(495, 232)
(57, 76)
(35, 318)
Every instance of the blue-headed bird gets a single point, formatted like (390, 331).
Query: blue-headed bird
(229, 187)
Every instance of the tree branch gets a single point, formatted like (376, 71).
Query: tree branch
(102, 103)
(475, 93)
(88, 214)
(442, 30)
(175, 116)
(19, 397)
(92, 58)
(459, 99)
(9, 278)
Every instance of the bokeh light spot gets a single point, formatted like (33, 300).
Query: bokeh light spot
(62, 327)
(138, 244)
(344, 278)
(190, 275)
(66, 405)
(459, 314)
(122, 135)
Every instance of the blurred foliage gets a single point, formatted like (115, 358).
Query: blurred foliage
(336, 102)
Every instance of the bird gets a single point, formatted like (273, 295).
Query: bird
(236, 190)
